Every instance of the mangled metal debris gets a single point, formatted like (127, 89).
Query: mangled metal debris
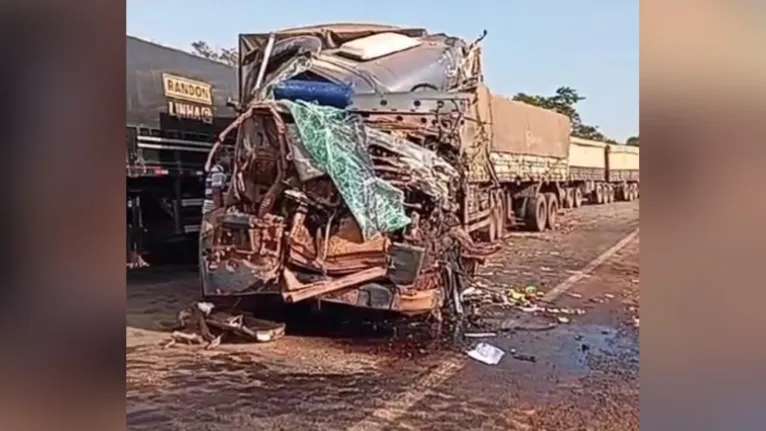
(200, 324)
(348, 188)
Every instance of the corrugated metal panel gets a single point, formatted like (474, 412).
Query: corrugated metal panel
(623, 157)
(518, 128)
(585, 153)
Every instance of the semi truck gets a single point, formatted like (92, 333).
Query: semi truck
(176, 104)
(529, 149)
(376, 169)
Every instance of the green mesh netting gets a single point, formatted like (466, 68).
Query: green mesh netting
(336, 143)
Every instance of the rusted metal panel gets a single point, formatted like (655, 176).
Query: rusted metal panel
(414, 135)
(477, 136)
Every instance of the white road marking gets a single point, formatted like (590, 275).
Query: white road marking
(567, 284)
(401, 403)
(397, 406)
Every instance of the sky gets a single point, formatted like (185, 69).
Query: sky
(532, 46)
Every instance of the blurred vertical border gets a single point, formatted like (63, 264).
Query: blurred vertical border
(61, 98)
(703, 128)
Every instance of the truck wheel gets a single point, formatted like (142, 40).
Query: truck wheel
(536, 215)
(500, 214)
(492, 228)
(569, 202)
(599, 194)
(577, 197)
(553, 210)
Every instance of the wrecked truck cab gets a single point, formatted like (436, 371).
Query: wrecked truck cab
(342, 193)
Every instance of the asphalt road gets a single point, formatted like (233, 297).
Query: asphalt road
(580, 375)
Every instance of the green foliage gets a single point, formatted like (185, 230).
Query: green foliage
(564, 102)
(224, 55)
(633, 141)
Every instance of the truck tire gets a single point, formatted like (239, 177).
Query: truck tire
(569, 202)
(553, 210)
(598, 195)
(536, 216)
(577, 197)
(500, 226)
(492, 228)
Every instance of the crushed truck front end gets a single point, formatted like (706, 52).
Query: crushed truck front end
(351, 202)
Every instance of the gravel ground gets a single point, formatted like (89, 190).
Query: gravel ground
(581, 375)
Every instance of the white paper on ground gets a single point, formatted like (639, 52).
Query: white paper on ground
(486, 353)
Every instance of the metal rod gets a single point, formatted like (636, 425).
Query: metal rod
(264, 63)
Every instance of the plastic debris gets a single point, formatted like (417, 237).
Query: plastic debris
(563, 319)
(468, 292)
(205, 307)
(517, 296)
(480, 334)
(486, 353)
(526, 358)
(531, 308)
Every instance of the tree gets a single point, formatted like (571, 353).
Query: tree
(563, 102)
(633, 141)
(224, 55)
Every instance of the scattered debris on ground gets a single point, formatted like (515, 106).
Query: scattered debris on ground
(201, 325)
(486, 353)
(480, 334)
(529, 299)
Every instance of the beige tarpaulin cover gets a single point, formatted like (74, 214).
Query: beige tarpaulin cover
(584, 153)
(518, 128)
(523, 142)
(623, 157)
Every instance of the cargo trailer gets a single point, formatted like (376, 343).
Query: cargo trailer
(176, 104)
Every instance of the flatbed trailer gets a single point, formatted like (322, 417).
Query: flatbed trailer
(523, 182)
